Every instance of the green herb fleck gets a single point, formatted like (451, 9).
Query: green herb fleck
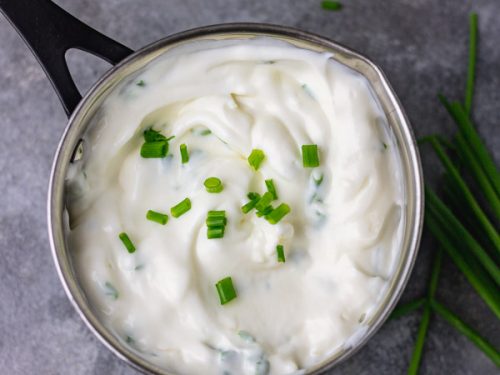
(256, 158)
(280, 253)
(225, 289)
(181, 208)
(141, 83)
(330, 5)
(278, 213)
(110, 290)
(213, 185)
(271, 188)
(184, 153)
(157, 217)
(310, 158)
(127, 242)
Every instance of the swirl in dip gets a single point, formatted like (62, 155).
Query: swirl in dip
(341, 239)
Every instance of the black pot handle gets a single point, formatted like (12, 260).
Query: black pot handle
(50, 31)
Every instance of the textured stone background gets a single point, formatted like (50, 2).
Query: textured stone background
(421, 45)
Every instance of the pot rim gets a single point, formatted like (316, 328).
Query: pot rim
(55, 203)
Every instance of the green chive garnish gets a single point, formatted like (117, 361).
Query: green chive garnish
(271, 188)
(157, 217)
(127, 242)
(151, 135)
(254, 198)
(184, 153)
(265, 201)
(220, 213)
(226, 290)
(330, 5)
(280, 252)
(310, 158)
(265, 211)
(141, 83)
(181, 208)
(213, 185)
(256, 158)
(278, 213)
(157, 149)
(215, 232)
(216, 221)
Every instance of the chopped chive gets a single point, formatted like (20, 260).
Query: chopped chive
(310, 158)
(278, 213)
(184, 153)
(280, 253)
(181, 208)
(158, 149)
(151, 135)
(216, 213)
(264, 201)
(330, 5)
(253, 195)
(250, 205)
(226, 290)
(271, 188)
(265, 211)
(469, 90)
(141, 83)
(213, 185)
(215, 232)
(215, 221)
(110, 290)
(127, 242)
(157, 217)
(256, 158)
(318, 181)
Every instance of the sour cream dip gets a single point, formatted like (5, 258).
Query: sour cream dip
(341, 239)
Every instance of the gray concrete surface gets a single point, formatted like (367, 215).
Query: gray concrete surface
(421, 45)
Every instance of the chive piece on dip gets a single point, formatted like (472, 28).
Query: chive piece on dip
(213, 185)
(310, 158)
(184, 153)
(157, 217)
(127, 242)
(157, 149)
(278, 213)
(280, 253)
(226, 290)
(256, 158)
(271, 188)
(181, 208)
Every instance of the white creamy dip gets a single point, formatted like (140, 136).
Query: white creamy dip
(341, 239)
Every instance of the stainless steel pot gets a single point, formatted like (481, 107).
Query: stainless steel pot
(55, 31)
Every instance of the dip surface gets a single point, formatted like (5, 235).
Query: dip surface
(341, 239)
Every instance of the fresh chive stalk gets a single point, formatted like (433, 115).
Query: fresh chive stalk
(225, 289)
(184, 153)
(280, 253)
(271, 188)
(419, 344)
(181, 208)
(127, 242)
(213, 185)
(407, 308)
(256, 158)
(310, 157)
(157, 149)
(467, 331)
(157, 217)
(471, 69)
(278, 213)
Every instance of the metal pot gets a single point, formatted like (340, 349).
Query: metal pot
(50, 32)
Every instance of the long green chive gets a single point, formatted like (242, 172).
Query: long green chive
(469, 197)
(256, 158)
(184, 153)
(215, 232)
(469, 90)
(213, 185)
(331, 5)
(127, 242)
(310, 158)
(407, 308)
(157, 149)
(278, 213)
(264, 201)
(271, 188)
(419, 344)
(226, 290)
(254, 198)
(151, 135)
(461, 233)
(467, 331)
(157, 217)
(280, 253)
(485, 289)
(181, 208)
